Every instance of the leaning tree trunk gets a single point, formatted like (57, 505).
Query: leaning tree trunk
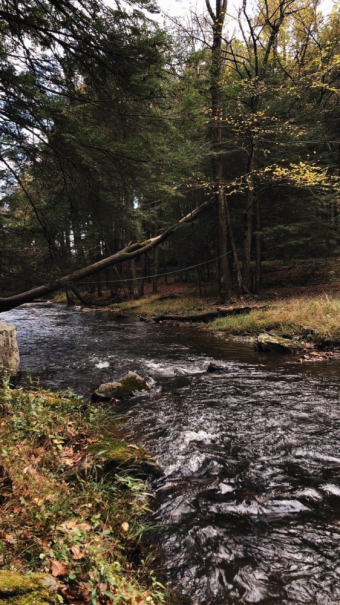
(127, 253)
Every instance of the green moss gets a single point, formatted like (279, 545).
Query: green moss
(124, 387)
(131, 385)
(119, 454)
(35, 589)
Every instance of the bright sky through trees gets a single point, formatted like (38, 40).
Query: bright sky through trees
(182, 7)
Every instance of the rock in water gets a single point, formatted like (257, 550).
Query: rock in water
(9, 350)
(216, 367)
(124, 387)
(275, 344)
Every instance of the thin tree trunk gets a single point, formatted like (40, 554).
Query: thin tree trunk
(134, 287)
(143, 275)
(234, 250)
(156, 269)
(258, 259)
(216, 141)
(248, 223)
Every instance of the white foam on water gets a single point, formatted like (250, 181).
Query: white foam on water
(102, 364)
(170, 369)
(187, 465)
(225, 488)
(202, 436)
(309, 493)
(316, 456)
(331, 489)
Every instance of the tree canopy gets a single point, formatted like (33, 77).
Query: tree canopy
(114, 127)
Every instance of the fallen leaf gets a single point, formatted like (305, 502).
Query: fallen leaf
(67, 452)
(58, 569)
(70, 524)
(9, 538)
(84, 527)
(125, 526)
(77, 554)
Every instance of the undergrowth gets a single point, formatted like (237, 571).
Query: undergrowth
(60, 514)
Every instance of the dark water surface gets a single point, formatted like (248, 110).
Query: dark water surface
(250, 501)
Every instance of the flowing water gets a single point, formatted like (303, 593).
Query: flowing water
(250, 502)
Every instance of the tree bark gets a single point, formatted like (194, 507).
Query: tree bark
(217, 167)
(156, 268)
(234, 250)
(258, 259)
(248, 223)
(127, 253)
(134, 283)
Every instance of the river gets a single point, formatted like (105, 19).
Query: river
(249, 507)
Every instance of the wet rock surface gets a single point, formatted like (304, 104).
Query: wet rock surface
(268, 343)
(126, 386)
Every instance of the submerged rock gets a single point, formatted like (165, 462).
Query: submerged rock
(127, 386)
(276, 344)
(35, 589)
(9, 350)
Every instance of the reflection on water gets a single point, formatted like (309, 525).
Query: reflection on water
(250, 501)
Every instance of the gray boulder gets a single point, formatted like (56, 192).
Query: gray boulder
(276, 344)
(9, 350)
(127, 386)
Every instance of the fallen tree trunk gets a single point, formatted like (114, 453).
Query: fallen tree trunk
(208, 315)
(127, 253)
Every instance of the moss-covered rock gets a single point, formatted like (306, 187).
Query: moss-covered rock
(34, 589)
(127, 386)
(115, 454)
(276, 344)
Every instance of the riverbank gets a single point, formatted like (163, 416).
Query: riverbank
(298, 298)
(316, 317)
(73, 505)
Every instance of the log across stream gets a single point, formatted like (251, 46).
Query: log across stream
(249, 507)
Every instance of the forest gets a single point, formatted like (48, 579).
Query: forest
(169, 302)
(114, 128)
